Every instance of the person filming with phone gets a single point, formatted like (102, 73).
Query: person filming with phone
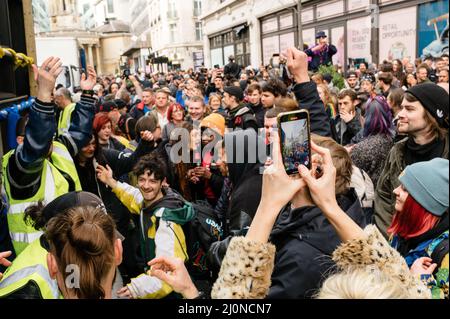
(322, 53)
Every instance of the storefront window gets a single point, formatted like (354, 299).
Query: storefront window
(270, 46)
(228, 38)
(216, 41)
(287, 41)
(358, 39)
(227, 51)
(240, 48)
(279, 32)
(286, 21)
(217, 57)
(309, 37)
(231, 43)
(270, 25)
(338, 40)
(398, 34)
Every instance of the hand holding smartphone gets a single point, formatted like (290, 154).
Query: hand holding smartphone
(295, 140)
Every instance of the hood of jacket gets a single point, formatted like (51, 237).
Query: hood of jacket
(310, 224)
(176, 208)
(242, 149)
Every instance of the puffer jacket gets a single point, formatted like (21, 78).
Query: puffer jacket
(388, 181)
(247, 267)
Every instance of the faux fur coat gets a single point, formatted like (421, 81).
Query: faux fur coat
(247, 267)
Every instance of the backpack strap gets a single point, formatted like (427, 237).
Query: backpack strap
(440, 252)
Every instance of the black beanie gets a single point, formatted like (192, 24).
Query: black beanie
(434, 99)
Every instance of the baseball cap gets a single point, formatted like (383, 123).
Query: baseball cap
(72, 200)
(235, 91)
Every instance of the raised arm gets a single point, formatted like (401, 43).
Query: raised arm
(137, 86)
(25, 165)
(306, 92)
(124, 162)
(80, 131)
(130, 196)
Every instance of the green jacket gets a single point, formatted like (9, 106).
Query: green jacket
(384, 196)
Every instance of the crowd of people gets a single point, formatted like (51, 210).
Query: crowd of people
(119, 180)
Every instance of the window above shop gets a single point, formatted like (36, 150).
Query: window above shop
(308, 15)
(278, 22)
(287, 20)
(354, 5)
(329, 10)
(270, 25)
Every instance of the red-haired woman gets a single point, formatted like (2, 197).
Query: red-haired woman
(420, 227)
(175, 114)
(103, 131)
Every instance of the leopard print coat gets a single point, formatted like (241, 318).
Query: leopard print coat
(247, 267)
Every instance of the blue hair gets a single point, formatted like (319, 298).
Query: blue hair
(378, 117)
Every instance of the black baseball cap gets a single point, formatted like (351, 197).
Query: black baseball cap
(72, 200)
(235, 91)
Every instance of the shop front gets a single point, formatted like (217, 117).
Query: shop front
(373, 31)
(279, 32)
(234, 41)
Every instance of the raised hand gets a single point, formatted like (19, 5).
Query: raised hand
(279, 188)
(46, 78)
(322, 189)
(88, 83)
(297, 63)
(105, 175)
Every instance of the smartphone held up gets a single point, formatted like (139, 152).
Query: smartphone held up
(295, 140)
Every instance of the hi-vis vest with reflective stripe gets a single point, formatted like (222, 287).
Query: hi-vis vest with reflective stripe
(65, 119)
(52, 185)
(31, 265)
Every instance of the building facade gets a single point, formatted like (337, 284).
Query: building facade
(167, 34)
(40, 15)
(100, 43)
(94, 13)
(369, 30)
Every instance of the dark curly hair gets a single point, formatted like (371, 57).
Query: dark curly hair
(152, 163)
(276, 87)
